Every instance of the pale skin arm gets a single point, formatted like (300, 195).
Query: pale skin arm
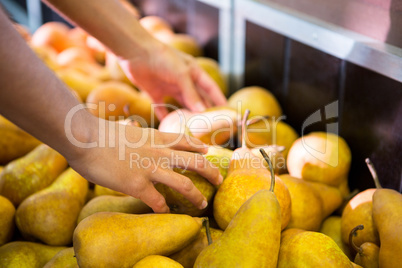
(151, 65)
(33, 98)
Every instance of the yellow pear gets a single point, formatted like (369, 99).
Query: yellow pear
(111, 239)
(367, 254)
(182, 42)
(307, 209)
(7, 212)
(211, 67)
(14, 142)
(320, 157)
(50, 215)
(31, 173)
(109, 203)
(189, 254)
(301, 248)
(26, 254)
(258, 100)
(331, 197)
(331, 227)
(65, 258)
(252, 238)
(157, 261)
(79, 82)
(275, 153)
(220, 157)
(100, 190)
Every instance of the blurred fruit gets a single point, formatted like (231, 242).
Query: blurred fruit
(79, 82)
(178, 203)
(307, 208)
(252, 238)
(367, 254)
(321, 157)
(301, 248)
(258, 100)
(182, 42)
(26, 254)
(7, 212)
(48, 55)
(65, 258)
(100, 190)
(115, 71)
(211, 67)
(50, 215)
(157, 261)
(14, 142)
(387, 215)
(110, 239)
(74, 55)
(155, 24)
(78, 37)
(31, 173)
(109, 203)
(97, 48)
(189, 254)
(54, 34)
(331, 227)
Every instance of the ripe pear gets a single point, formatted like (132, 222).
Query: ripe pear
(182, 42)
(111, 239)
(178, 203)
(367, 254)
(331, 227)
(331, 197)
(31, 173)
(258, 100)
(81, 83)
(7, 212)
(301, 248)
(212, 68)
(65, 258)
(243, 246)
(50, 215)
(359, 210)
(189, 254)
(275, 153)
(100, 190)
(220, 157)
(109, 203)
(14, 142)
(270, 132)
(307, 208)
(387, 215)
(321, 157)
(157, 261)
(26, 254)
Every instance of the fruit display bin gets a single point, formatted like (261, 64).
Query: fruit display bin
(310, 60)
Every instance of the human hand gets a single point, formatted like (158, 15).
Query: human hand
(143, 157)
(164, 71)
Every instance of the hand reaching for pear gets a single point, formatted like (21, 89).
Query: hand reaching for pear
(140, 158)
(164, 71)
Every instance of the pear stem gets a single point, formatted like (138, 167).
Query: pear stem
(351, 235)
(373, 172)
(205, 221)
(244, 128)
(266, 157)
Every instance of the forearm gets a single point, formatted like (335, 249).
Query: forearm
(110, 23)
(32, 96)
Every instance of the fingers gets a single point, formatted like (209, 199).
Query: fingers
(153, 199)
(191, 99)
(185, 143)
(199, 164)
(161, 111)
(206, 84)
(183, 185)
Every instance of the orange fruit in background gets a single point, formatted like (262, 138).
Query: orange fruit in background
(154, 24)
(54, 34)
(74, 55)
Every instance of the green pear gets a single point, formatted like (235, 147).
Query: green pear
(14, 142)
(157, 261)
(31, 173)
(26, 254)
(307, 210)
(220, 157)
(189, 254)
(65, 258)
(50, 215)
(331, 227)
(387, 214)
(110, 203)
(367, 254)
(252, 238)
(178, 203)
(301, 248)
(112, 239)
(7, 212)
